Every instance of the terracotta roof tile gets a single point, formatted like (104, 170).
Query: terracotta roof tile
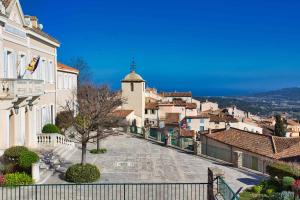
(151, 106)
(292, 122)
(191, 106)
(122, 113)
(222, 118)
(38, 31)
(201, 116)
(265, 145)
(172, 118)
(187, 133)
(61, 66)
(293, 151)
(255, 143)
(283, 143)
(177, 94)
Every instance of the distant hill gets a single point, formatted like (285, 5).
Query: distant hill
(285, 93)
(265, 103)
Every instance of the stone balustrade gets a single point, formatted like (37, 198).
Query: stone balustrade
(12, 88)
(53, 139)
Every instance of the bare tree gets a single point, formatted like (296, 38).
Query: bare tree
(92, 117)
(85, 74)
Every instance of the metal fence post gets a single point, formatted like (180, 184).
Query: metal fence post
(36, 198)
(124, 193)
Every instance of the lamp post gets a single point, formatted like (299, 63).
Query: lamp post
(16, 108)
(30, 105)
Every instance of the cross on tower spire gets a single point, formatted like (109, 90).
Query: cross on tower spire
(132, 65)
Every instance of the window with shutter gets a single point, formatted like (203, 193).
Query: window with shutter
(22, 65)
(5, 69)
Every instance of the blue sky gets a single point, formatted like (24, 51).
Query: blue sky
(213, 47)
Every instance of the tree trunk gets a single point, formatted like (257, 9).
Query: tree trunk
(83, 153)
(98, 143)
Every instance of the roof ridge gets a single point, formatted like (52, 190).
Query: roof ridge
(273, 144)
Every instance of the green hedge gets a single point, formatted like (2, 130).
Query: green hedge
(96, 151)
(281, 169)
(82, 173)
(18, 178)
(50, 128)
(14, 153)
(27, 158)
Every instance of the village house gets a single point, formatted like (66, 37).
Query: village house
(293, 128)
(28, 99)
(151, 108)
(253, 151)
(208, 106)
(170, 96)
(66, 86)
(237, 113)
(247, 126)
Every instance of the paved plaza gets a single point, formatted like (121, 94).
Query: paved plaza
(133, 160)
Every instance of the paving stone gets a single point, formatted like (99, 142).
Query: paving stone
(131, 159)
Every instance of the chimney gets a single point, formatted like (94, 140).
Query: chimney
(209, 131)
(34, 22)
(227, 126)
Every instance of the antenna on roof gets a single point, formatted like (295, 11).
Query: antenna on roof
(132, 65)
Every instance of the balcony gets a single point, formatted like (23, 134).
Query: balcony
(20, 88)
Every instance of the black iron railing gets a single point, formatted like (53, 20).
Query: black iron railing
(128, 191)
(225, 190)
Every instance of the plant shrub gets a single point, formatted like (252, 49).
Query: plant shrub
(248, 195)
(11, 168)
(2, 168)
(257, 189)
(281, 169)
(100, 151)
(18, 179)
(14, 153)
(27, 158)
(82, 173)
(287, 182)
(287, 195)
(2, 180)
(63, 120)
(50, 128)
(296, 187)
(270, 191)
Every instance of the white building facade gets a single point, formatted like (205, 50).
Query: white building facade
(28, 100)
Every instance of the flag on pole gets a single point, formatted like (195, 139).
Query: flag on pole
(33, 64)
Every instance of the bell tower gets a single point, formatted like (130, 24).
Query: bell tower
(133, 93)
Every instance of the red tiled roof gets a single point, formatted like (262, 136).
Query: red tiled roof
(265, 145)
(222, 118)
(122, 113)
(151, 106)
(191, 106)
(64, 67)
(40, 32)
(255, 143)
(172, 118)
(181, 103)
(187, 133)
(201, 116)
(283, 143)
(292, 122)
(177, 94)
(293, 151)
